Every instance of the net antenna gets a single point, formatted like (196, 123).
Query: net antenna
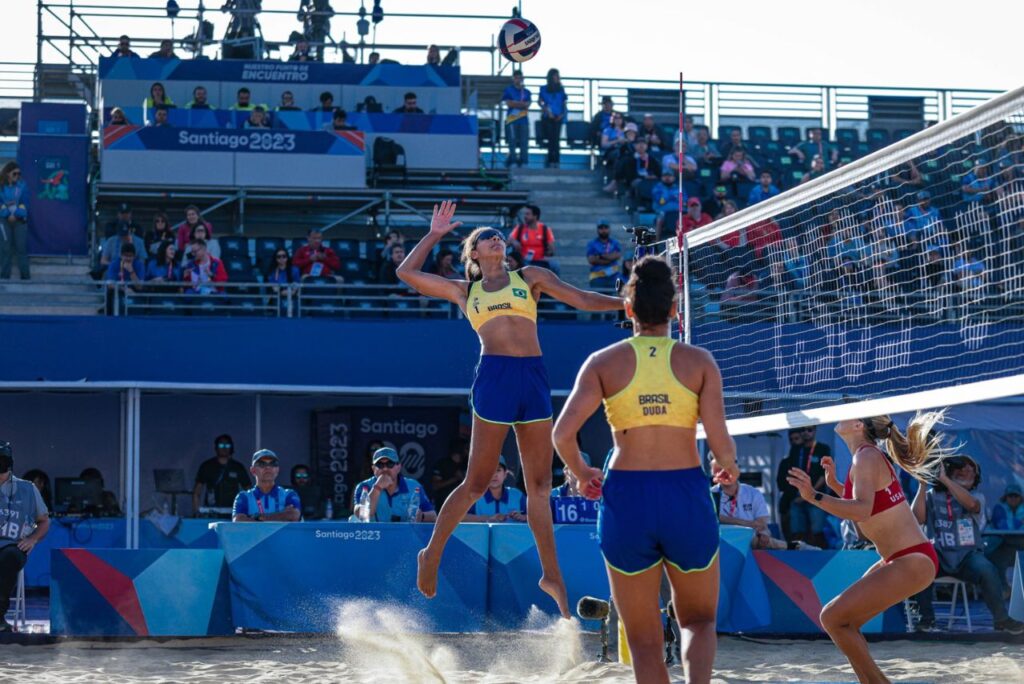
(891, 284)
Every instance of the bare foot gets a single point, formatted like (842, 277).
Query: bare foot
(556, 590)
(426, 574)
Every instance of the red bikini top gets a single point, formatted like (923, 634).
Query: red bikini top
(886, 498)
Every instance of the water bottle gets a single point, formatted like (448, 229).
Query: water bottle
(329, 510)
(414, 505)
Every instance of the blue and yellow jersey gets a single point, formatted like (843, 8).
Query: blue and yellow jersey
(512, 300)
(654, 396)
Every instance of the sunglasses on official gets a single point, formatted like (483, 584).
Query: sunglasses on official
(384, 464)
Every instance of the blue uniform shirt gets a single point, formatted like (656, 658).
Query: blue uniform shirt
(20, 505)
(511, 500)
(596, 246)
(251, 501)
(517, 95)
(393, 507)
(555, 102)
(758, 194)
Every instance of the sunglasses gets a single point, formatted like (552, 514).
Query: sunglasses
(487, 235)
(281, 256)
(266, 464)
(225, 445)
(301, 476)
(384, 465)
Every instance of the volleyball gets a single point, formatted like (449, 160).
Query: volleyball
(519, 40)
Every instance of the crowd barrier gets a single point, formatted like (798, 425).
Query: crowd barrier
(300, 577)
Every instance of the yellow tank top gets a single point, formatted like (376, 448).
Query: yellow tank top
(654, 396)
(512, 300)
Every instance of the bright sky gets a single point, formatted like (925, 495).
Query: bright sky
(917, 43)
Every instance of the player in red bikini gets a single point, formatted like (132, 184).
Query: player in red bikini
(872, 498)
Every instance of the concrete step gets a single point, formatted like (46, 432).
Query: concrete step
(69, 310)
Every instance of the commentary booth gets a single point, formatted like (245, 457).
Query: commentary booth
(299, 149)
(131, 396)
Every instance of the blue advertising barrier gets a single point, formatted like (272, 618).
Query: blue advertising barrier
(1017, 591)
(205, 156)
(154, 592)
(189, 533)
(515, 569)
(72, 533)
(297, 576)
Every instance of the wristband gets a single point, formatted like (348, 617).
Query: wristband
(818, 496)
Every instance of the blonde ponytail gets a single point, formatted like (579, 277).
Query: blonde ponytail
(920, 451)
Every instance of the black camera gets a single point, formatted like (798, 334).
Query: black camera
(642, 235)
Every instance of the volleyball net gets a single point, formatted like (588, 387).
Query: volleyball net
(890, 284)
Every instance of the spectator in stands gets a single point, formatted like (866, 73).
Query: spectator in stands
(517, 121)
(204, 270)
(257, 118)
(446, 266)
(288, 103)
(532, 239)
(761, 236)
(158, 97)
(735, 142)
(602, 119)
(923, 217)
(613, 143)
(765, 189)
(666, 197)
(123, 218)
(433, 56)
(243, 101)
(124, 48)
(743, 505)
(301, 53)
(884, 261)
(394, 237)
(740, 291)
(373, 59)
(954, 513)
(604, 254)
(160, 118)
(409, 105)
(635, 169)
(316, 260)
(715, 205)
(553, 104)
(969, 269)
(975, 184)
(795, 264)
(389, 496)
(166, 50)
(817, 169)
(199, 99)
(705, 150)
(129, 269)
(220, 478)
(906, 174)
(160, 231)
(24, 521)
(201, 232)
(737, 168)
(185, 229)
(117, 118)
(689, 131)
(657, 141)
(694, 217)
(163, 268)
(1007, 515)
(388, 273)
(42, 482)
(110, 252)
(282, 271)
(800, 520)
(500, 503)
(326, 102)
(339, 122)
(449, 472)
(670, 161)
(266, 501)
(848, 244)
(814, 146)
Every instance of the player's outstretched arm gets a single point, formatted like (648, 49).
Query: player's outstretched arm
(555, 287)
(411, 270)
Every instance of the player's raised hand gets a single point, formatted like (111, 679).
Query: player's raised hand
(441, 222)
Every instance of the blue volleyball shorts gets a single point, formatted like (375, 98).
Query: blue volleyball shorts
(511, 389)
(650, 516)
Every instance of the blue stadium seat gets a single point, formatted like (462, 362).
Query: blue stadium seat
(904, 133)
(847, 137)
(265, 248)
(298, 242)
(759, 134)
(788, 135)
(878, 138)
(346, 248)
(233, 246)
(577, 135)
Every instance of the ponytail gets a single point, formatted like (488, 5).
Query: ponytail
(920, 451)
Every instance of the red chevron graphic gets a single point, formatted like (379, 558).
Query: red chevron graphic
(111, 134)
(798, 588)
(113, 585)
(357, 138)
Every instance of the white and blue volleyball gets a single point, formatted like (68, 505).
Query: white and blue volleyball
(519, 40)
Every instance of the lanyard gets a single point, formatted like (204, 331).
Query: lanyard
(949, 507)
(259, 506)
(732, 505)
(810, 454)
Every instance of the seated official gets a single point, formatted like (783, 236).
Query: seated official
(389, 496)
(339, 122)
(257, 118)
(24, 521)
(267, 500)
(1007, 516)
(500, 502)
(743, 505)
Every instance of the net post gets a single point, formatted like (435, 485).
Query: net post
(684, 271)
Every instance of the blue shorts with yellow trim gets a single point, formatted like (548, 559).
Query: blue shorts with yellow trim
(647, 516)
(511, 389)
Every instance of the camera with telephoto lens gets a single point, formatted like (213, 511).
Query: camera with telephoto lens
(643, 236)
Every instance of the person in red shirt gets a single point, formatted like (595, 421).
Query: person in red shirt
(193, 218)
(203, 270)
(314, 260)
(533, 239)
(694, 217)
(763, 234)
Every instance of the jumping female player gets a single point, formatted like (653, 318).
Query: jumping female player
(872, 498)
(657, 515)
(511, 385)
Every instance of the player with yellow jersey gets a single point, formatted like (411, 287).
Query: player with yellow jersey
(511, 387)
(657, 516)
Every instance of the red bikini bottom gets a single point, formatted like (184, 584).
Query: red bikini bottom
(926, 548)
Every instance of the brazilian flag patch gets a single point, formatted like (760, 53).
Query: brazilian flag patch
(518, 292)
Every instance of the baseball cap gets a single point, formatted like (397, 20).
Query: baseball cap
(264, 453)
(1012, 488)
(603, 222)
(923, 195)
(385, 453)
(606, 98)
(693, 202)
(631, 127)
(124, 208)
